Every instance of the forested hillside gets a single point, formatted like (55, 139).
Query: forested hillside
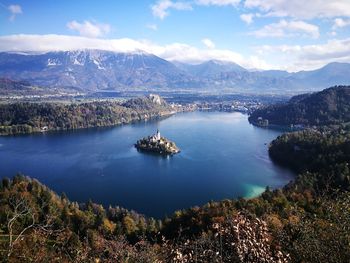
(17, 118)
(322, 156)
(330, 106)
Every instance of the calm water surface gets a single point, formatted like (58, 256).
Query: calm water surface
(222, 156)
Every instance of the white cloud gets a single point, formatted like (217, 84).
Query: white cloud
(307, 57)
(340, 23)
(153, 27)
(247, 18)
(15, 10)
(190, 54)
(287, 29)
(301, 9)
(53, 42)
(218, 2)
(186, 53)
(208, 43)
(160, 9)
(175, 51)
(89, 29)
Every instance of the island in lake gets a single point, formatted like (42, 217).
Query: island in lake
(157, 144)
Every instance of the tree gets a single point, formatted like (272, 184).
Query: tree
(20, 210)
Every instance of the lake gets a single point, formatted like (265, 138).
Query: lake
(222, 157)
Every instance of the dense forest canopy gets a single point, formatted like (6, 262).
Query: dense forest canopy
(321, 156)
(330, 106)
(28, 117)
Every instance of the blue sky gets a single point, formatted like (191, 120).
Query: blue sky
(269, 34)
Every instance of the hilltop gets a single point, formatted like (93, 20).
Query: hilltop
(330, 106)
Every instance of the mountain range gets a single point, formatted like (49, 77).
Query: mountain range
(93, 70)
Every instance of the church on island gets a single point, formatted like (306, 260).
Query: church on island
(156, 136)
(157, 144)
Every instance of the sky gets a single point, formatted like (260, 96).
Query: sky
(289, 35)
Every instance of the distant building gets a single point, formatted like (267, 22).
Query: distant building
(45, 128)
(156, 137)
(157, 144)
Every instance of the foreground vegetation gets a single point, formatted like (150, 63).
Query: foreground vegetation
(306, 221)
(20, 118)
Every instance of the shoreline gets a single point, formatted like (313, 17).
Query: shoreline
(40, 131)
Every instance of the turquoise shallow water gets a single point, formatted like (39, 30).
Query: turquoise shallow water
(222, 156)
